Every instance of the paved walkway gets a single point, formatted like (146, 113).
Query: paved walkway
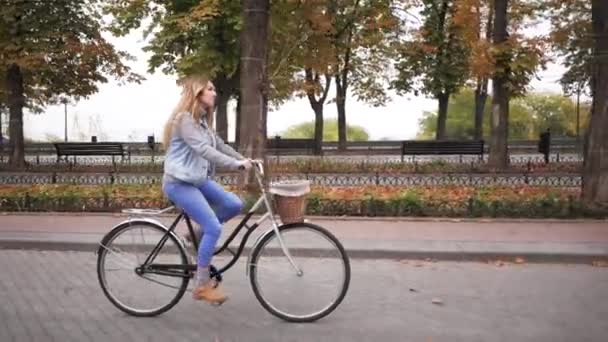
(55, 296)
(583, 241)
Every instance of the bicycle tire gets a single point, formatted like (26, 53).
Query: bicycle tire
(301, 318)
(102, 252)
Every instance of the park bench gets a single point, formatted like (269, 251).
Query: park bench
(442, 147)
(91, 149)
(290, 146)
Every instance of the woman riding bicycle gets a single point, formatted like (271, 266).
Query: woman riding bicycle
(193, 152)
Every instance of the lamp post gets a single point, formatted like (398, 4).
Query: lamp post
(1, 136)
(578, 114)
(64, 100)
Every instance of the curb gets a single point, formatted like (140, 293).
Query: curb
(346, 218)
(421, 255)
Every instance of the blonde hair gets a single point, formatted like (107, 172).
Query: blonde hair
(192, 86)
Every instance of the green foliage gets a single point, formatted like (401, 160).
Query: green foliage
(330, 132)
(349, 39)
(369, 47)
(59, 48)
(203, 37)
(435, 61)
(528, 117)
(452, 201)
(187, 36)
(572, 39)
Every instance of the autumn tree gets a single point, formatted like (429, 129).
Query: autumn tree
(52, 49)
(334, 42)
(595, 174)
(363, 36)
(499, 119)
(571, 39)
(511, 59)
(300, 55)
(523, 53)
(435, 60)
(188, 37)
(317, 58)
(204, 36)
(475, 18)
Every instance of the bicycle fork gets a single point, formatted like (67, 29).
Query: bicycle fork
(274, 230)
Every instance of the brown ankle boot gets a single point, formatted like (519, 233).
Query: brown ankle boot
(209, 292)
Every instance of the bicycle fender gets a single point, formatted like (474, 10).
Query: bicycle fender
(255, 244)
(149, 221)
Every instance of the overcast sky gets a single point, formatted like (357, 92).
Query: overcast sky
(132, 112)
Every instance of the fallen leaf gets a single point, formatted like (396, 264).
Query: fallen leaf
(437, 301)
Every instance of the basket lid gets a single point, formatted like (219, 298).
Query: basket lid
(290, 188)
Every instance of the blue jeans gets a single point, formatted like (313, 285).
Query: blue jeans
(197, 202)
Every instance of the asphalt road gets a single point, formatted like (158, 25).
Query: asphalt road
(55, 296)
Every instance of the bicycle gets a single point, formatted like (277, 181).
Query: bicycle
(165, 263)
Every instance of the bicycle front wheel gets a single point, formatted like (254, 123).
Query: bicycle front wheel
(309, 286)
(142, 268)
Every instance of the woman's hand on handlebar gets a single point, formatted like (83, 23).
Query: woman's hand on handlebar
(245, 164)
(257, 161)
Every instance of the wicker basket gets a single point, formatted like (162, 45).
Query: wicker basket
(290, 199)
(290, 209)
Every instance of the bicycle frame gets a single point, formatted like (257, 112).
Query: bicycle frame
(187, 271)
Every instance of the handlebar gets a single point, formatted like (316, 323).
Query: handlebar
(258, 165)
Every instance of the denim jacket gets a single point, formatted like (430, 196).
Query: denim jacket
(194, 152)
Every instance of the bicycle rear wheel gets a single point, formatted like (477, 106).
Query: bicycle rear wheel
(304, 296)
(133, 285)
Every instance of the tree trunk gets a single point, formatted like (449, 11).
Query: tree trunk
(341, 91)
(16, 101)
(481, 94)
(499, 158)
(2, 137)
(224, 91)
(318, 108)
(442, 116)
(595, 168)
(341, 107)
(253, 77)
(313, 80)
(237, 124)
(265, 114)
(1, 127)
